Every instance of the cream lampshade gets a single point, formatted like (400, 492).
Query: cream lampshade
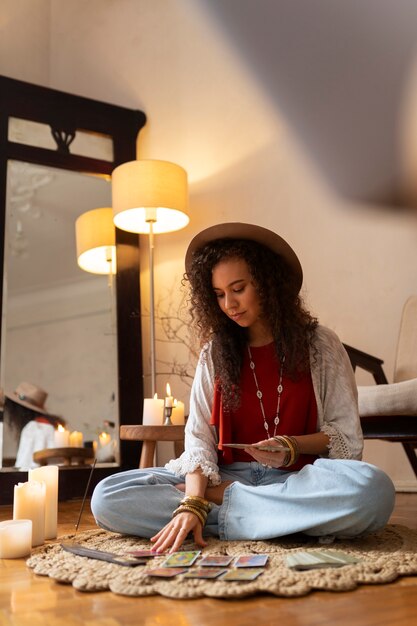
(150, 197)
(95, 238)
(150, 191)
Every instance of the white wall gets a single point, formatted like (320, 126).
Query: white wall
(209, 114)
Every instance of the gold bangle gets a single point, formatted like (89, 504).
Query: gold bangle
(199, 503)
(198, 499)
(297, 449)
(293, 449)
(188, 509)
(283, 441)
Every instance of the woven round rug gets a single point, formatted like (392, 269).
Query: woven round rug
(382, 558)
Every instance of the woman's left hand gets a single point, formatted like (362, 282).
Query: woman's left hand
(172, 536)
(269, 459)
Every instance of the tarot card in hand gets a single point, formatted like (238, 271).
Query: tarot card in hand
(205, 572)
(166, 572)
(181, 559)
(251, 560)
(242, 574)
(240, 446)
(215, 561)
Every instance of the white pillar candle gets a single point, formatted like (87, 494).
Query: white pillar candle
(104, 439)
(61, 437)
(15, 538)
(153, 411)
(76, 439)
(48, 475)
(29, 503)
(177, 417)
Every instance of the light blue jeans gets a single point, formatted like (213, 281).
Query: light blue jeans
(331, 497)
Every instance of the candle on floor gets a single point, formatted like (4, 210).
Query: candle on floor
(76, 439)
(49, 476)
(153, 411)
(29, 503)
(177, 417)
(15, 538)
(61, 437)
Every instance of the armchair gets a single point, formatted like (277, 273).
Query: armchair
(389, 411)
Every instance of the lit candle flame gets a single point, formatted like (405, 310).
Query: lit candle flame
(60, 428)
(168, 388)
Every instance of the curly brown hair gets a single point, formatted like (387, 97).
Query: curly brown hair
(291, 324)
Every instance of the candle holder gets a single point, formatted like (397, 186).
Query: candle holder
(167, 413)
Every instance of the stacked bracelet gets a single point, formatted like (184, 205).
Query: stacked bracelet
(292, 452)
(196, 505)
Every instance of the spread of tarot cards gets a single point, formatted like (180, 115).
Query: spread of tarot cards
(221, 567)
(239, 568)
(275, 448)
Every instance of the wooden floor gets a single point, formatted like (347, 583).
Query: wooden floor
(29, 600)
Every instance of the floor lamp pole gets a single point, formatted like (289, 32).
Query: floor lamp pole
(152, 307)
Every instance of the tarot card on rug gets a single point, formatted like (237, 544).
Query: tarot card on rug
(205, 572)
(242, 574)
(251, 560)
(166, 572)
(316, 559)
(182, 559)
(215, 561)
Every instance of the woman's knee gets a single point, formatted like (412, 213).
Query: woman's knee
(374, 495)
(380, 491)
(367, 491)
(99, 504)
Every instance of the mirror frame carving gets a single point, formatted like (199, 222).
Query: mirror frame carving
(65, 114)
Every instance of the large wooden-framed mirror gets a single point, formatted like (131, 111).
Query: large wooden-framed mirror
(57, 152)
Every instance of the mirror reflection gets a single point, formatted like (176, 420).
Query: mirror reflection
(59, 327)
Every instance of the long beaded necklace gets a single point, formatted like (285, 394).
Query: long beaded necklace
(259, 394)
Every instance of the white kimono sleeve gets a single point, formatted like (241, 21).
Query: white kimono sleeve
(336, 395)
(200, 437)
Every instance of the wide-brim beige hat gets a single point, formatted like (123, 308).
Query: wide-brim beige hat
(239, 230)
(29, 396)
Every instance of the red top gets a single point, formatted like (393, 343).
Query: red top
(298, 408)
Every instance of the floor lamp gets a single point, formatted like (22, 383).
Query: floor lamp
(150, 197)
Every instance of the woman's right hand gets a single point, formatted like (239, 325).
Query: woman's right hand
(172, 536)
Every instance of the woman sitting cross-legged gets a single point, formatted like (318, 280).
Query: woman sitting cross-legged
(268, 374)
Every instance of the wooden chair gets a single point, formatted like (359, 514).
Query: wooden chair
(389, 411)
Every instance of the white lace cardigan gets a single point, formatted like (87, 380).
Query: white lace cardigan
(337, 406)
